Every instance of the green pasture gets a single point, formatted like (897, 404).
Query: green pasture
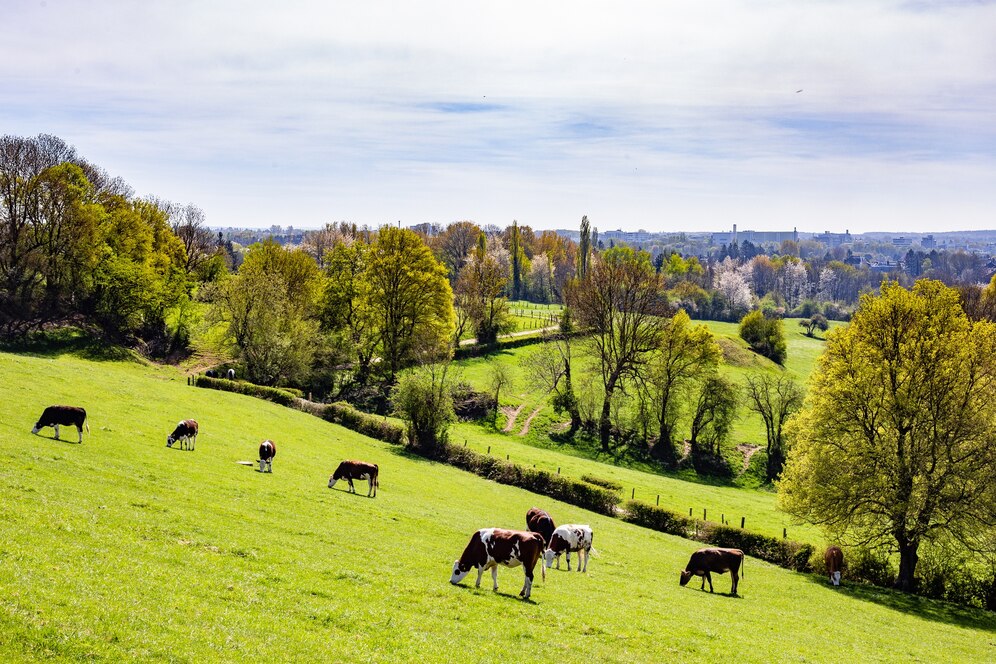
(120, 549)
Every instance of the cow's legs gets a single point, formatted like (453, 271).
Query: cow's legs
(480, 573)
(587, 554)
(527, 587)
(494, 577)
(568, 560)
(79, 430)
(56, 432)
(708, 577)
(352, 489)
(736, 578)
(193, 442)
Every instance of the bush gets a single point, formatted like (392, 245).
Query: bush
(765, 336)
(422, 399)
(469, 404)
(658, 518)
(542, 482)
(871, 565)
(605, 484)
(368, 425)
(282, 397)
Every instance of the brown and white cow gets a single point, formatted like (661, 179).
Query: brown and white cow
(566, 539)
(834, 559)
(186, 433)
(705, 561)
(357, 470)
(56, 416)
(490, 547)
(267, 450)
(538, 521)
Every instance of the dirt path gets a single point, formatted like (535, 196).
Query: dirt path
(525, 427)
(523, 333)
(748, 450)
(510, 414)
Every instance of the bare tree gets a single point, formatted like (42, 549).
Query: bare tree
(774, 399)
(188, 225)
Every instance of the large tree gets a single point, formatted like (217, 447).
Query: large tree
(894, 444)
(775, 399)
(622, 302)
(685, 353)
(409, 298)
(480, 293)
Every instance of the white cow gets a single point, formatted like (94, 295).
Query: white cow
(567, 539)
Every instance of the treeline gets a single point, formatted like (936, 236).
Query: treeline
(77, 246)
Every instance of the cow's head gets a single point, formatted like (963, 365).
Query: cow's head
(262, 465)
(548, 557)
(36, 428)
(685, 577)
(458, 573)
(332, 481)
(835, 578)
(170, 440)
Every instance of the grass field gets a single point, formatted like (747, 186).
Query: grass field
(120, 549)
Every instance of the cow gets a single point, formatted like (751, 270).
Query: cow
(231, 374)
(490, 547)
(705, 561)
(357, 470)
(567, 539)
(267, 450)
(56, 416)
(211, 373)
(186, 433)
(834, 559)
(538, 521)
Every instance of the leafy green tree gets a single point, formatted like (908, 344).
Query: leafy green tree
(480, 291)
(621, 301)
(894, 444)
(423, 400)
(685, 353)
(766, 336)
(500, 378)
(775, 400)
(584, 248)
(713, 414)
(345, 310)
(409, 298)
(813, 323)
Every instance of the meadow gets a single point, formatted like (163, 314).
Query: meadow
(120, 549)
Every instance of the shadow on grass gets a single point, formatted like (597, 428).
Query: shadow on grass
(69, 341)
(64, 441)
(498, 593)
(351, 493)
(923, 607)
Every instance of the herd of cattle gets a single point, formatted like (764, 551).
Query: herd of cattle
(542, 541)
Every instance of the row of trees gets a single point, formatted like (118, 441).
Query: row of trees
(78, 246)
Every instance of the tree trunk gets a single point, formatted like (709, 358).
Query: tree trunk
(908, 558)
(663, 450)
(604, 425)
(572, 401)
(776, 462)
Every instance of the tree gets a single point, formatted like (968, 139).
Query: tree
(455, 244)
(422, 399)
(549, 369)
(894, 445)
(684, 354)
(198, 241)
(765, 336)
(775, 400)
(518, 258)
(344, 306)
(409, 298)
(480, 291)
(499, 379)
(622, 303)
(815, 322)
(584, 248)
(713, 415)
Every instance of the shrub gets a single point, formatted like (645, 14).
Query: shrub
(469, 404)
(542, 482)
(282, 397)
(605, 484)
(765, 336)
(658, 518)
(368, 425)
(871, 565)
(422, 399)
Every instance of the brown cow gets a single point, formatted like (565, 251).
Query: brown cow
(834, 559)
(186, 433)
(357, 470)
(490, 547)
(538, 521)
(54, 416)
(705, 561)
(267, 450)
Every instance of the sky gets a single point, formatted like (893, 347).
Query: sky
(770, 114)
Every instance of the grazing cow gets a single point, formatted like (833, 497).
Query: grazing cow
(834, 558)
(211, 373)
(56, 416)
(567, 539)
(490, 547)
(705, 561)
(538, 521)
(231, 374)
(357, 470)
(267, 450)
(186, 433)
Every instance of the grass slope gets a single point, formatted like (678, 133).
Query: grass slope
(120, 549)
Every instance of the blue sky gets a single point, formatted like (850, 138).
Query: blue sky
(865, 115)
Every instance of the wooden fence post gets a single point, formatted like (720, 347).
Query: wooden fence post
(785, 533)
(689, 511)
(489, 449)
(704, 514)
(658, 500)
(742, 519)
(632, 497)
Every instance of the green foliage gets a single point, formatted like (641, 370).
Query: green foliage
(814, 322)
(602, 482)
(765, 336)
(894, 444)
(422, 398)
(282, 397)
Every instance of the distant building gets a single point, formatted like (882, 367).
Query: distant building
(902, 241)
(928, 242)
(834, 239)
(630, 237)
(755, 237)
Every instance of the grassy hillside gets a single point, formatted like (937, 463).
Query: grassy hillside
(121, 549)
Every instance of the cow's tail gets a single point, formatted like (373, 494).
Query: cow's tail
(87, 425)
